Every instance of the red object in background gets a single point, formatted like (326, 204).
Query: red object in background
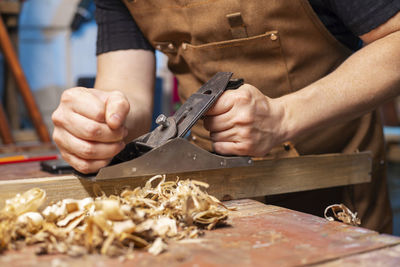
(176, 102)
(22, 159)
(175, 96)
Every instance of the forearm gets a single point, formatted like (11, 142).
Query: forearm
(363, 82)
(131, 72)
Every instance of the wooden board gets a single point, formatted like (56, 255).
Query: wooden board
(257, 235)
(266, 177)
(388, 256)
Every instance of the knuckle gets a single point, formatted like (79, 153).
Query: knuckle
(77, 164)
(243, 96)
(117, 94)
(56, 137)
(56, 117)
(122, 104)
(87, 150)
(245, 133)
(83, 166)
(119, 99)
(66, 157)
(243, 148)
(245, 117)
(92, 130)
(99, 114)
(68, 95)
(217, 147)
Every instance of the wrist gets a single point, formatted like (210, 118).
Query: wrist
(286, 127)
(138, 122)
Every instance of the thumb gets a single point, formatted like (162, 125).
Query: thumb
(117, 109)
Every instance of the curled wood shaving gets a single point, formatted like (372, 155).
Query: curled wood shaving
(343, 214)
(146, 217)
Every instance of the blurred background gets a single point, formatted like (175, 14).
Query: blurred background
(54, 43)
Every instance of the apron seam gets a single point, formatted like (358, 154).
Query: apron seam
(177, 6)
(286, 67)
(231, 42)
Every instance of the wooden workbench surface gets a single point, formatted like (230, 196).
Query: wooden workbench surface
(257, 235)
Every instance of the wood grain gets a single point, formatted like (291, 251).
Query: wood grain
(266, 177)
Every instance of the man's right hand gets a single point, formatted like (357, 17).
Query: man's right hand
(89, 127)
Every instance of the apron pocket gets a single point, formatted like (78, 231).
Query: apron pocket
(258, 60)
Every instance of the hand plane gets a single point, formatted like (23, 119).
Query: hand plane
(165, 149)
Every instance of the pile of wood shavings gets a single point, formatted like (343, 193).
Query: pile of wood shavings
(145, 217)
(343, 214)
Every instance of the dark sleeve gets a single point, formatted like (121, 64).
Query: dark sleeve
(117, 30)
(362, 16)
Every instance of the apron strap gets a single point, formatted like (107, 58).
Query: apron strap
(238, 28)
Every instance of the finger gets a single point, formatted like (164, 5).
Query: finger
(82, 165)
(85, 149)
(222, 105)
(88, 129)
(84, 102)
(218, 123)
(229, 135)
(117, 108)
(230, 148)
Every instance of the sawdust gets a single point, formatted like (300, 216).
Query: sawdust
(147, 217)
(343, 214)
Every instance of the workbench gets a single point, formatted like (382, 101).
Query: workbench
(256, 235)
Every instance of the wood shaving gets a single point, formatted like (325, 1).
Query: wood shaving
(343, 214)
(146, 217)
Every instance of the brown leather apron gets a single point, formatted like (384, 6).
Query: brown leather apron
(278, 47)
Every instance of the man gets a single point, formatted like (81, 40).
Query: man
(303, 85)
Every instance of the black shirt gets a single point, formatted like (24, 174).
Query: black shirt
(345, 19)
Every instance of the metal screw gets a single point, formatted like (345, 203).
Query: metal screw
(162, 120)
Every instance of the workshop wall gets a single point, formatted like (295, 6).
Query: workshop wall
(53, 57)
